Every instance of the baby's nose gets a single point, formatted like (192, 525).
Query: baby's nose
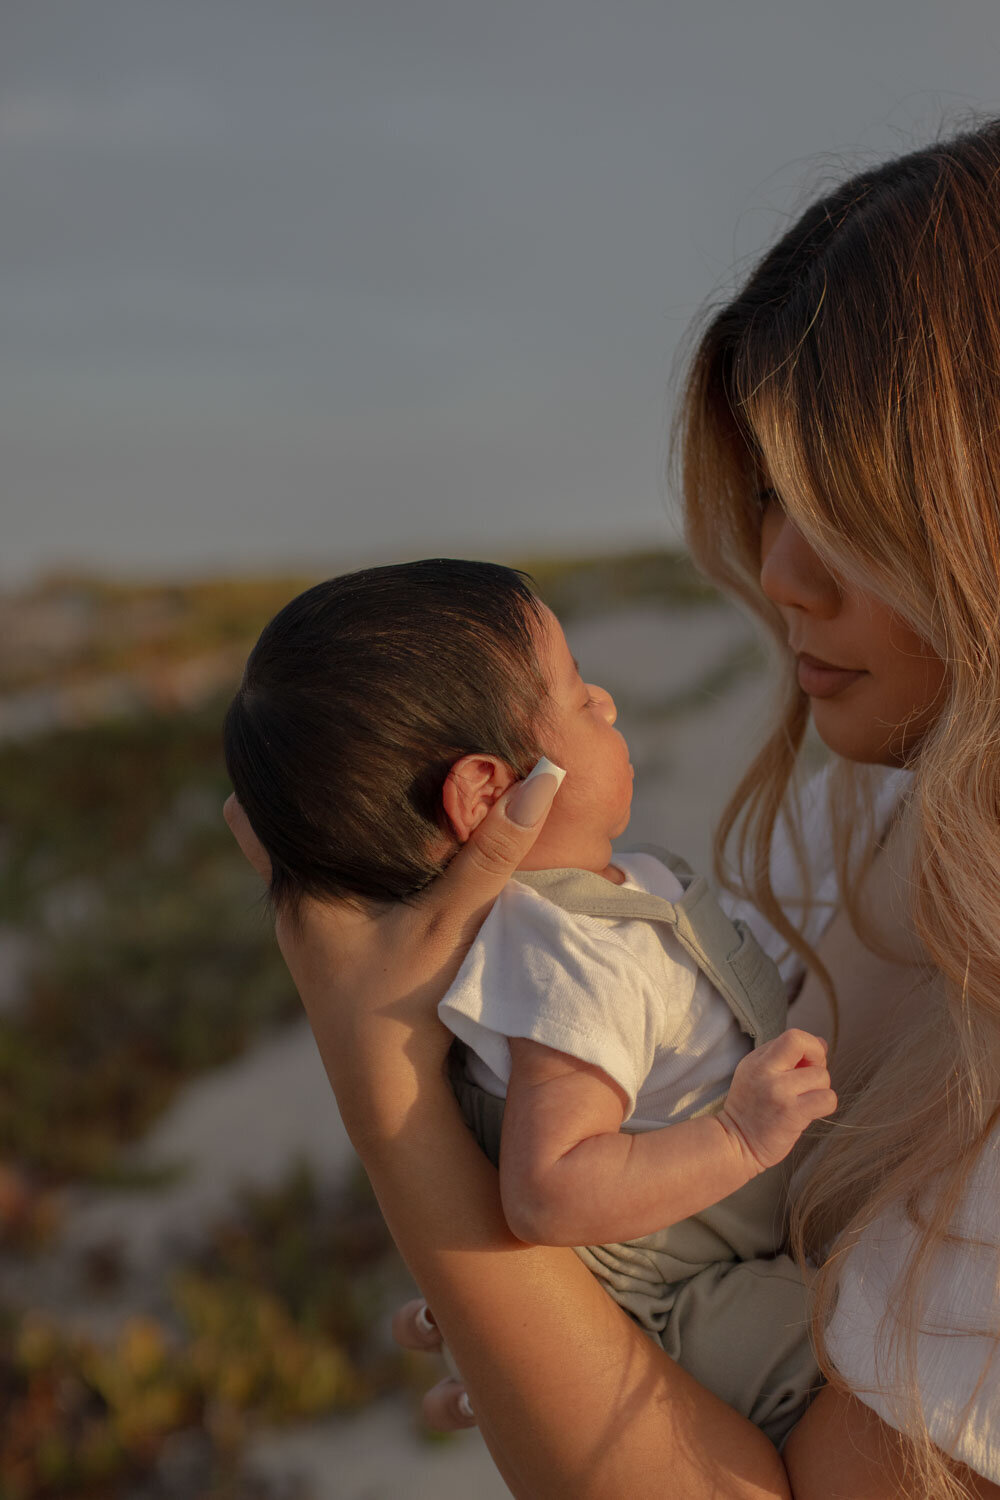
(606, 701)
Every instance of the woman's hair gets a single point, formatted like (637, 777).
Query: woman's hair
(357, 699)
(859, 371)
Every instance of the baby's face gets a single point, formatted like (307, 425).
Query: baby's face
(578, 733)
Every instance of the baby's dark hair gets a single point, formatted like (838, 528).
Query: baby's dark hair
(356, 701)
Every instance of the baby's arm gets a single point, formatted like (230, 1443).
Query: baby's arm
(569, 1176)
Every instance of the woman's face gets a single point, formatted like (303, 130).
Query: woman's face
(875, 687)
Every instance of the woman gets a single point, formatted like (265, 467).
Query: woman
(841, 472)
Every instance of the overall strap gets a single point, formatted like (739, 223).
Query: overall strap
(725, 950)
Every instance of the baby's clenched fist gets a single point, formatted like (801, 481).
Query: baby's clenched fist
(777, 1090)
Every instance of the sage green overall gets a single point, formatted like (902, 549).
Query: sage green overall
(715, 1290)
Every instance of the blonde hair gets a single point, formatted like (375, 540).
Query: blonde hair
(859, 369)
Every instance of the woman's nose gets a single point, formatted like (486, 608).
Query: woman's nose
(792, 574)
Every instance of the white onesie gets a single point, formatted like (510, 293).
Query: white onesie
(620, 994)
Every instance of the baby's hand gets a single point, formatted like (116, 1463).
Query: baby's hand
(777, 1090)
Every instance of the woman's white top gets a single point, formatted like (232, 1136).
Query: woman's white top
(958, 1366)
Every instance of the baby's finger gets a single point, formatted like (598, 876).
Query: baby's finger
(413, 1327)
(447, 1407)
(819, 1103)
(798, 1049)
(239, 827)
(482, 867)
(788, 1088)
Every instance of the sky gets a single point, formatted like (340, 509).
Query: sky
(319, 283)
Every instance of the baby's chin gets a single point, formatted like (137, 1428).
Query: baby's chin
(620, 828)
(593, 854)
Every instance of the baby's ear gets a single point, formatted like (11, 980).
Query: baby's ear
(471, 787)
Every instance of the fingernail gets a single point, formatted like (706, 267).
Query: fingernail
(465, 1406)
(425, 1320)
(532, 799)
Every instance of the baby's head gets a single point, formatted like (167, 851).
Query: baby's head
(381, 714)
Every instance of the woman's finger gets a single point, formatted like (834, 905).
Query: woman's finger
(239, 827)
(414, 950)
(447, 1407)
(413, 1327)
(482, 867)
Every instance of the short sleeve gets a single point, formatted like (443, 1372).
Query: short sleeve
(568, 983)
(958, 1367)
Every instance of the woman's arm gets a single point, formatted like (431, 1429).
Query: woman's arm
(842, 1450)
(572, 1398)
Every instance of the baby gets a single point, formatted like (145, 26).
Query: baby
(623, 1055)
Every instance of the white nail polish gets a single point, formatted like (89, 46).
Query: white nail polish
(423, 1321)
(465, 1406)
(546, 767)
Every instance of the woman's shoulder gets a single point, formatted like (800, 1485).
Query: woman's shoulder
(956, 1348)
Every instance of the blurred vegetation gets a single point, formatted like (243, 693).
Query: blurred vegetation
(89, 627)
(594, 584)
(273, 1322)
(146, 956)
(151, 954)
(95, 626)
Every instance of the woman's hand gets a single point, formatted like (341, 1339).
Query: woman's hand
(446, 1406)
(370, 983)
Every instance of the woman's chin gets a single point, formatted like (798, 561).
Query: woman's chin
(866, 744)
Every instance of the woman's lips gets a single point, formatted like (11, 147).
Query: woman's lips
(820, 679)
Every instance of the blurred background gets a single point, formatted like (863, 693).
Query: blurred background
(284, 290)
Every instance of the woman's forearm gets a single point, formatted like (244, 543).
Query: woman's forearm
(572, 1398)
